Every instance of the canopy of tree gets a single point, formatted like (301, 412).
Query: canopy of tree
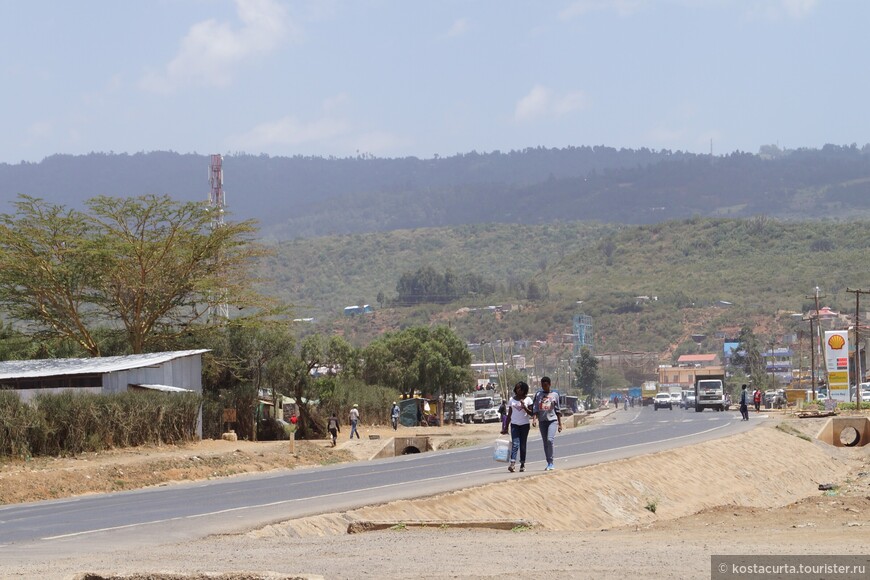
(149, 266)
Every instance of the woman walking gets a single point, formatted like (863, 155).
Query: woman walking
(548, 414)
(518, 415)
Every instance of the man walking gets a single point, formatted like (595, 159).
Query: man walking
(394, 416)
(333, 428)
(354, 421)
(549, 417)
(744, 402)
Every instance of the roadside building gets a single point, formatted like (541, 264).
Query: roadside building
(174, 371)
(683, 373)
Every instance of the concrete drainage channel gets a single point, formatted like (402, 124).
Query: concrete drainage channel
(846, 431)
(372, 526)
(405, 446)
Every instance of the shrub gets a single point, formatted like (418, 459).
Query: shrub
(72, 422)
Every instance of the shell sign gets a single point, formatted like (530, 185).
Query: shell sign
(836, 341)
(837, 362)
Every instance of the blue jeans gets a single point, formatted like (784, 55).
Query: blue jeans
(548, 435)
(519, 436)
(353, 429)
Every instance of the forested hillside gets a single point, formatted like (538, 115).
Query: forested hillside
(313, 196)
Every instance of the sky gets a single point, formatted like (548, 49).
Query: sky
(398, 78)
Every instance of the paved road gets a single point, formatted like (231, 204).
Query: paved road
(189, 511)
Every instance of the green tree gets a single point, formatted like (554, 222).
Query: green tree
(586, 373)
(748, 356)
(434, 361)
(149, 265)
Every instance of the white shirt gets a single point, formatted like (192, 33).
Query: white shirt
(518, 414)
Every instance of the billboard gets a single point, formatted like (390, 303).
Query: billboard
(837, 363)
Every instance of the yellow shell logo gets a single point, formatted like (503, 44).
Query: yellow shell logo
(836, 342)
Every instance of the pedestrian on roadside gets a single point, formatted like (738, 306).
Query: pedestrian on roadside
(744, 402)
(333, 428)
(394, 416)
(354, 421)
(756, 398)
(548, 414)
(502, 416)
(518, 416)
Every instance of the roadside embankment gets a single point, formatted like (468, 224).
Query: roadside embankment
(766, 467)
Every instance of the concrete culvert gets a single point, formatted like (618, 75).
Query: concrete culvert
(849, 436)
(410, 449)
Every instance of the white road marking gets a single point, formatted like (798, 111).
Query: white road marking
(356, 491)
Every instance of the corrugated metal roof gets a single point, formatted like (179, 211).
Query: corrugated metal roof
(697, 358)
(164, 388)
(50, 367)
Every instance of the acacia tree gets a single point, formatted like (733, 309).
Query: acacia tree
(586, 372)
(150, 265)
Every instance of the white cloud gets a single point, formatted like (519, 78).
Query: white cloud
(544, 102)
(779, 9)
(798, 8)
(39, 131)
(459, 27)
(211, 50)
(290, 131)
(330, 131)
(580, 8)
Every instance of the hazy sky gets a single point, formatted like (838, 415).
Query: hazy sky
(395, 78)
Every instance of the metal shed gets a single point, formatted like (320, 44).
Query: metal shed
(180, 369)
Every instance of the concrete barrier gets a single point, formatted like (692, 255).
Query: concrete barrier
(404, 446)
(846, 431)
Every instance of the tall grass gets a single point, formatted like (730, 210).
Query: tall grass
(69, 423)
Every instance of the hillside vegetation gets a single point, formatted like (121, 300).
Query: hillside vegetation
(762, 268)
(315, 196)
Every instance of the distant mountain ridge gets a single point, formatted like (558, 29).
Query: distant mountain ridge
(294, 197)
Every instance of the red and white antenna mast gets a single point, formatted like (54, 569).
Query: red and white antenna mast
(216, 194)
(217, 202)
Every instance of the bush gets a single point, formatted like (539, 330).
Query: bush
(18, 421)
(70, 423)
(272, 430)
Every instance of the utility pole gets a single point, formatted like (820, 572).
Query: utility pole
(817, 341)
(858, 372)
(812, 355)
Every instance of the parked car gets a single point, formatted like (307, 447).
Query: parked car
(487, 415)
(663, 400)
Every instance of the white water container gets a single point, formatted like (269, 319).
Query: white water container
(501, 450)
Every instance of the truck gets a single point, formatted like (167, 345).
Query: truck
(473, 407)
(648, 390)
(709, 391)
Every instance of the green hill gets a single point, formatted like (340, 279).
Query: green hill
(700, 275)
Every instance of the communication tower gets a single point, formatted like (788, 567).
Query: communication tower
(217, 202)
(582, 333)
(216, 194)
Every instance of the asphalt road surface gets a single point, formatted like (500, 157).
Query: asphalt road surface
(189, 511)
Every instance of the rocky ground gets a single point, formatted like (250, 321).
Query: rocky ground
(661, 515)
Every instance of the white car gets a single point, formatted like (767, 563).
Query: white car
(663, 400)
(487, 416)
(676, 398)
